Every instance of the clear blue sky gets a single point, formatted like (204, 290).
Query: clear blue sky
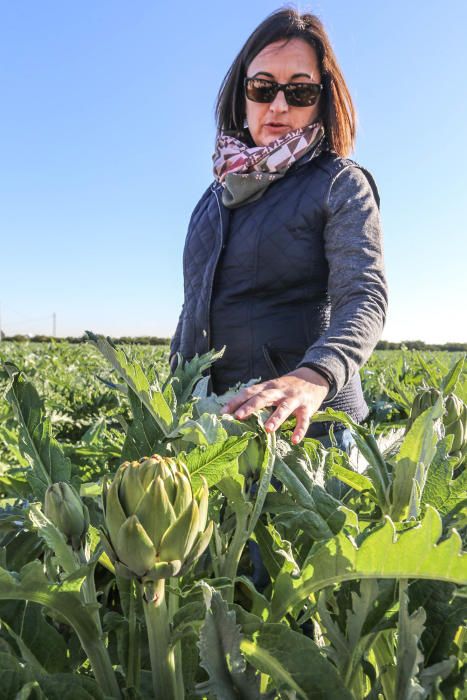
(107, 132)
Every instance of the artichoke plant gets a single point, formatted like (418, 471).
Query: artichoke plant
(155, 523)
(454, 418)
(65, 509)
(155, 528)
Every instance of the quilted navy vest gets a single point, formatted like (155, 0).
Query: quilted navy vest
(255, 280)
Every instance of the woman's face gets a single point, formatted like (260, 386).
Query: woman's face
(294, 62)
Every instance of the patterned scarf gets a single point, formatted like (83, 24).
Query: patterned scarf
(246, 172)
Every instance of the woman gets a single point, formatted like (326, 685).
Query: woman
(283, 255)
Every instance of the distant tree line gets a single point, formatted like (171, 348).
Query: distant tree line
(153, 340)
(420, 345)
(141, 340)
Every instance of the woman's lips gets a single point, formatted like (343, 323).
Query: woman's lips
(273, 127)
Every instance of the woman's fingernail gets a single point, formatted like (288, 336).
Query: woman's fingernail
(240, 414)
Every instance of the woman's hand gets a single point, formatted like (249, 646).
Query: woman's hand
(300, 393)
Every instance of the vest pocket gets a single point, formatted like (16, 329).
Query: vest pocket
(281, 361)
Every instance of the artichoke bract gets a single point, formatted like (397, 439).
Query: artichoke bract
(65, 509)
(155, 523)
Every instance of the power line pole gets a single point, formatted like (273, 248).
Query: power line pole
(54, 324)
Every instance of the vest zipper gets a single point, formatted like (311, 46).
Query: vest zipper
(214, 271)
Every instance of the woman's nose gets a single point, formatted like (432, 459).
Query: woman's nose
(279, 103)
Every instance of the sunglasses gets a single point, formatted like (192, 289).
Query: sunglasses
(296, 94)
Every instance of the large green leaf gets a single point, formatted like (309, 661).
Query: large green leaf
(294, 663)
(151, 396)
(143, 434)
(409, 655)
(412, 463)
(32, 585)
(382, 554)
(316, 512)
(205, 430)
(66, 685)
(449, 383)
(28, 625)
(12, 676)
(220, 656)
(188, 373)
(445, 613)
(377, 470)
(39, 447)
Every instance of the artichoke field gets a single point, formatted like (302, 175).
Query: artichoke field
(153, 547)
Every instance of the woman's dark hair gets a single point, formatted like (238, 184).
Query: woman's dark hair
(337, 110)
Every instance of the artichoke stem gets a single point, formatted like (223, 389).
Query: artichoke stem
(102, 667)
(161, 654)
(236, 547)
(134, 652)
(173, 605)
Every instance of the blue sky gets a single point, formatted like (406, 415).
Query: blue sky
(104, 157)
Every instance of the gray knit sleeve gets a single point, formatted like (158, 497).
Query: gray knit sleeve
(357, 285)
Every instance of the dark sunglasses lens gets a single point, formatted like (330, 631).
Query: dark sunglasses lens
(302, 95)
(296, 94)
(260, 91)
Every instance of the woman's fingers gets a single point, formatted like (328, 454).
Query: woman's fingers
(303, 415)
(283, 411)
(240, 398)
(255, 403)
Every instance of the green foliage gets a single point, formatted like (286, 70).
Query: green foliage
(360, 597)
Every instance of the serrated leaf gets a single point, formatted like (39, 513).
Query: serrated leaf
(188, 373)
(143, 433)
(220, 655)
(382, 554)
(43, 453)
(214, 461)
(132, 373)
(445, 613)
(409, 655)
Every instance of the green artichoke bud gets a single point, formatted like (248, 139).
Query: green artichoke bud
(455, 420)
(65, 509)
(423, 401)
(155, 523)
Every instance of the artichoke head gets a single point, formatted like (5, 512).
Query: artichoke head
(455, 419)
(423, 401)
(65, 509)
(155, 525)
